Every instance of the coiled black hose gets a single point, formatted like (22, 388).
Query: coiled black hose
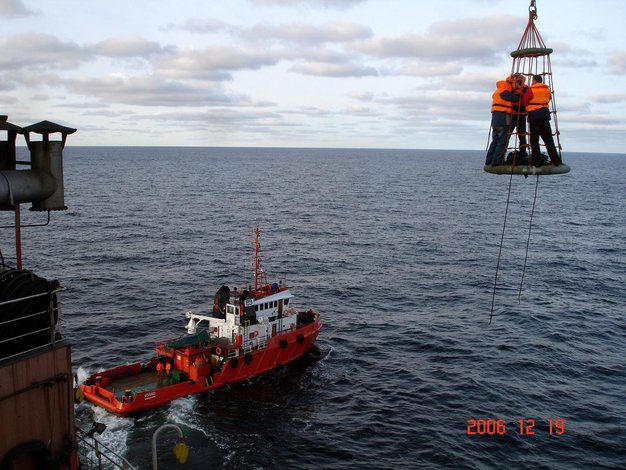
(22, 320)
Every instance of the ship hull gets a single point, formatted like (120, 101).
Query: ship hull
(134, 388)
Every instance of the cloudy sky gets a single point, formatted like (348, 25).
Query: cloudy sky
(304, 73)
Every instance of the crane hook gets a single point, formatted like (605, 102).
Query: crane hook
(532, 10)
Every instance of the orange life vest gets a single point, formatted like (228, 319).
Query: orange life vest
(498, 103)
(541, 97)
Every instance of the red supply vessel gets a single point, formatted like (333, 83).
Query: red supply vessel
(250, 331)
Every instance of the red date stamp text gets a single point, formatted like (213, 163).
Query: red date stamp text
(523, 426)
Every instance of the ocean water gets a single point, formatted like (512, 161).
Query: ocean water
(398, 251)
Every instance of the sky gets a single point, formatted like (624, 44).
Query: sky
(304, 73)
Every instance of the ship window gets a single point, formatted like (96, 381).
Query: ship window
(274, 304)
(286, 301)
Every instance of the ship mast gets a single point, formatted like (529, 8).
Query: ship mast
(259, 278)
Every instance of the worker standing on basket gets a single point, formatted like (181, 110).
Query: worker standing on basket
(536, 99)
(503, 100)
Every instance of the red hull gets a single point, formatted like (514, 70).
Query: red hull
(148, 390)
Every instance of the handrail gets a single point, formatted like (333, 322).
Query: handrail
(24, 317)
(99, 451)
(52, 309)
(27, 334)
(41, 294)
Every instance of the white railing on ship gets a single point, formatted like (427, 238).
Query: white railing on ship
(52, 328)
(95, 455)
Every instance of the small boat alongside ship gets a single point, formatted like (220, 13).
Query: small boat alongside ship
(250, 332)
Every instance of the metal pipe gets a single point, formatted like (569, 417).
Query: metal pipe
(154, 441)
(19, 186)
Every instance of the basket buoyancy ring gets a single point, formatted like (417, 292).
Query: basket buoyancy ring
(234, 362)
(283, 343)
(247, 358)
(300, 338)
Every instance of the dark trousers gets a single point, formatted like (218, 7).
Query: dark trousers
(497, 148)
(541, 128)
(518, 126)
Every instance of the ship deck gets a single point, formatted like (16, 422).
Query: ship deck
(145, 380)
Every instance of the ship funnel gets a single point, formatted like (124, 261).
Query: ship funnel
(42, 184)
(47, 156)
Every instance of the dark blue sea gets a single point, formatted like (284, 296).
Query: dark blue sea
(398, 251)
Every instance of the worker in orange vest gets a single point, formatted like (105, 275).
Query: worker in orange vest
(504, 99)
(159, 368)
(536, 99)
(168, 367)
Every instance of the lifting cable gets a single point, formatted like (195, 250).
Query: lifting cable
(495, 280)
(530, 227)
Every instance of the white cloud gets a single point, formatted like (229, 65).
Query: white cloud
(464, 40)
(148, 90)
(617, 63)
(428, 69)
(213, 62)
(297, 33)
(335, 32)
(128, 46)
(340, 4)
(611, 98)
(14, 8)
(327, 69)
(38, 50)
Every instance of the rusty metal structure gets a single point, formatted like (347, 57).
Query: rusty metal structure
(36, 380)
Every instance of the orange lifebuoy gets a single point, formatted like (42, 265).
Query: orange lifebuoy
(218, 351)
